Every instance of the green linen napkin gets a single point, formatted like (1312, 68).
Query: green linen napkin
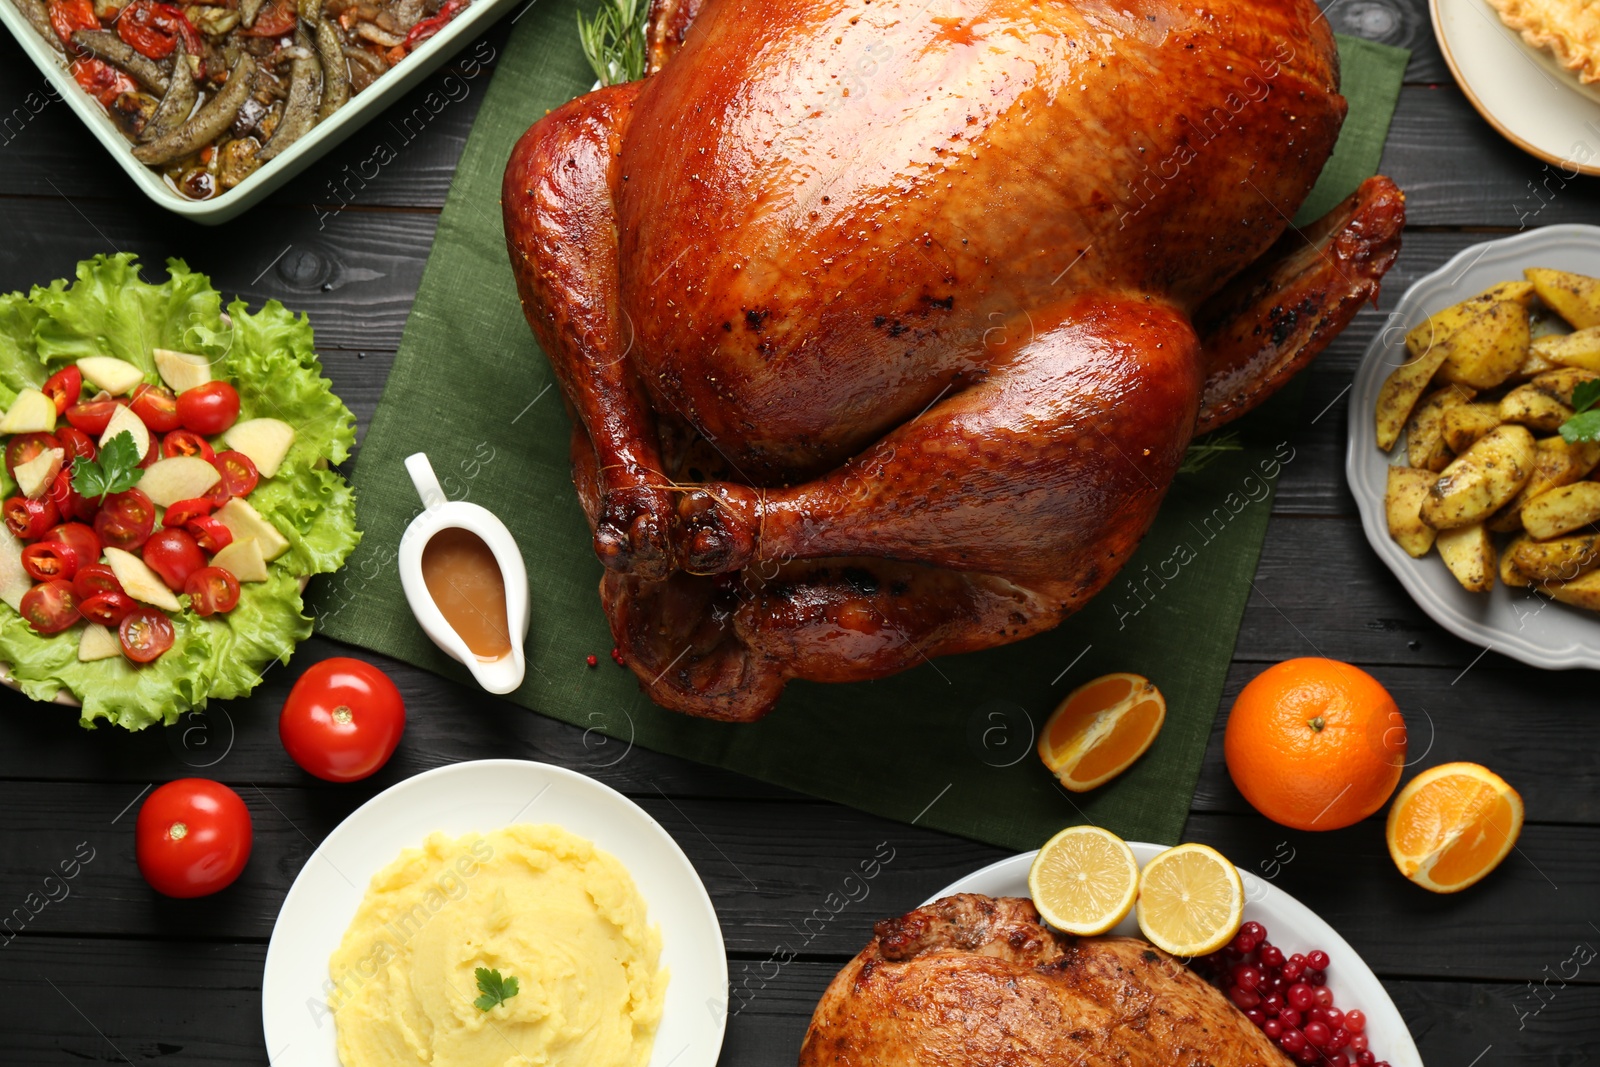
(947, 745)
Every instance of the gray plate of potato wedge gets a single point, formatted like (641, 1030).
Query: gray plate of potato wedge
(1474, 450)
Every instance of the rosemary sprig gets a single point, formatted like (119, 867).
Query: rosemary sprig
(613, 40)
(1204, 450)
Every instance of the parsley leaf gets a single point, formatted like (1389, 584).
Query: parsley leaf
(115, 470)
(496, 990)
(1584, 424)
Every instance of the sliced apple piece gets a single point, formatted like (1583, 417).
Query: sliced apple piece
(265, 441)
(243, 560)
(98, 642)
(34, 477)
(140, 582)
(123, 420)
(168, 481)
(246, 524)
(14, 580)
(31, 412)
(115, 376)
(181, 370)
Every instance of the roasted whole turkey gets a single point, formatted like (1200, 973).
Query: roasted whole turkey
(885, 324)
(975, 981)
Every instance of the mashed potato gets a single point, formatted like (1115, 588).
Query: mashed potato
(535, 903)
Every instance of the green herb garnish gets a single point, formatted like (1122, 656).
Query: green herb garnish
(613, 41)
(496, 990)
(1585, 423)
(1203, 451)
(115, 470)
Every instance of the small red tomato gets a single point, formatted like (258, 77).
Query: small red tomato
(75, 443)
(186, 443)
(193, 838)
(239, 476)
(145, 635)
(47, 561)
(25, 446)
(71, 503)
(29, 519)
(107, 609)
(125, 519)
(92, 416)
(80, 537)
(208, 409)
(209, 533)
(174, 555)
(64, 387)
(183, 510)
(50, 607)
(342, 720)
(93, 579)
(212, 591)
(156, 407)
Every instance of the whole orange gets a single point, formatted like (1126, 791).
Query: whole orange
(1315, 744)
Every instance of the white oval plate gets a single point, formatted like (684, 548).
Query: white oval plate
(1529, 98)
(1290, 925)
(1517, 623)
(486, 795)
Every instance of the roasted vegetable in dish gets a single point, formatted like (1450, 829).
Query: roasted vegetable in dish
(208, 92)
(1494, 405)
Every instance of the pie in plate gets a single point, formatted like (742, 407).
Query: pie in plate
(1568, 29)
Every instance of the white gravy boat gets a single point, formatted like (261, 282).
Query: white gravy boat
(500, 675)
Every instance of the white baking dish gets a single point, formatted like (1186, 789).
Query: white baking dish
(323, 136)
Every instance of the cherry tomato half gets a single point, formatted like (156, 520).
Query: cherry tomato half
(29, 519)
(72, 504)
(25, 446)
(145, 635)
(155, 405)
(342, 720)
(50, 607)
(173, 555)
(180, 512)
(212, 590)
(186, 443)
(47, 561)
(193, 838)
(100, 79)
(107, 609)
(82, 539)
(64, 387)
(93, 579)
(91, 416)
(209, 409)
(275, 20)
(75, 443)
(69, 16)
(125, 519)
(154, 29)
(209, 533)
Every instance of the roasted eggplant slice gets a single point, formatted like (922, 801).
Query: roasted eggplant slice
(335, 70)
(300, 111)
(106, 45)
(179, 100)
(207, 124)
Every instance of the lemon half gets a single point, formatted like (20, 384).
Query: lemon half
(1191, 900)
(1084, 880)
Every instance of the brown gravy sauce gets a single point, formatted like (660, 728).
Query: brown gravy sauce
(464, 580)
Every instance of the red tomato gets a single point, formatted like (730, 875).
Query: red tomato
(155, 405)
(212, 590)
(107, 609)
(92, 416)
(239, 476)
(154, 29)
(93, 579)
(211, 408)
(69, 16)
(193, 838)
(173, 555)
(29, 519)
(100, 79)
(47, 561)
(25, 446)
(342, 720)
(125, 519)
(426, 28)
(80, 537)
(75, 443)
(63, 387)
(184, 510)
(275, 20)
(71, 503)
(145, 634)
(186, 443)
(50, 607)
(209, 533)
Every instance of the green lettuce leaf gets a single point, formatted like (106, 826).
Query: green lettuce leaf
(269, 356)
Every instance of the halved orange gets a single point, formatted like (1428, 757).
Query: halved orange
(1453, 824)
(1100, 729)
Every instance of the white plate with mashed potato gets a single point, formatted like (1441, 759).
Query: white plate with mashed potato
(496, 912)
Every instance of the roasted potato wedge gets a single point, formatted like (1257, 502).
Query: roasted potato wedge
(1558, 384)
(1533, 364)
(1400, 392)
(1441, 324)
(1581, 592)
(1463, 424)
(1509, 574)
(1575, 297)
(1482, 480)
(1553, 512)
(1555, 463)
(1560, 560)
(1580, 349)
(1408, 488)
(1469, 553)
(1425, 444)
(1533, 407)
(1488, 348)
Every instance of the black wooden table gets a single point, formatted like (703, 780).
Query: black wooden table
(113, 973)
